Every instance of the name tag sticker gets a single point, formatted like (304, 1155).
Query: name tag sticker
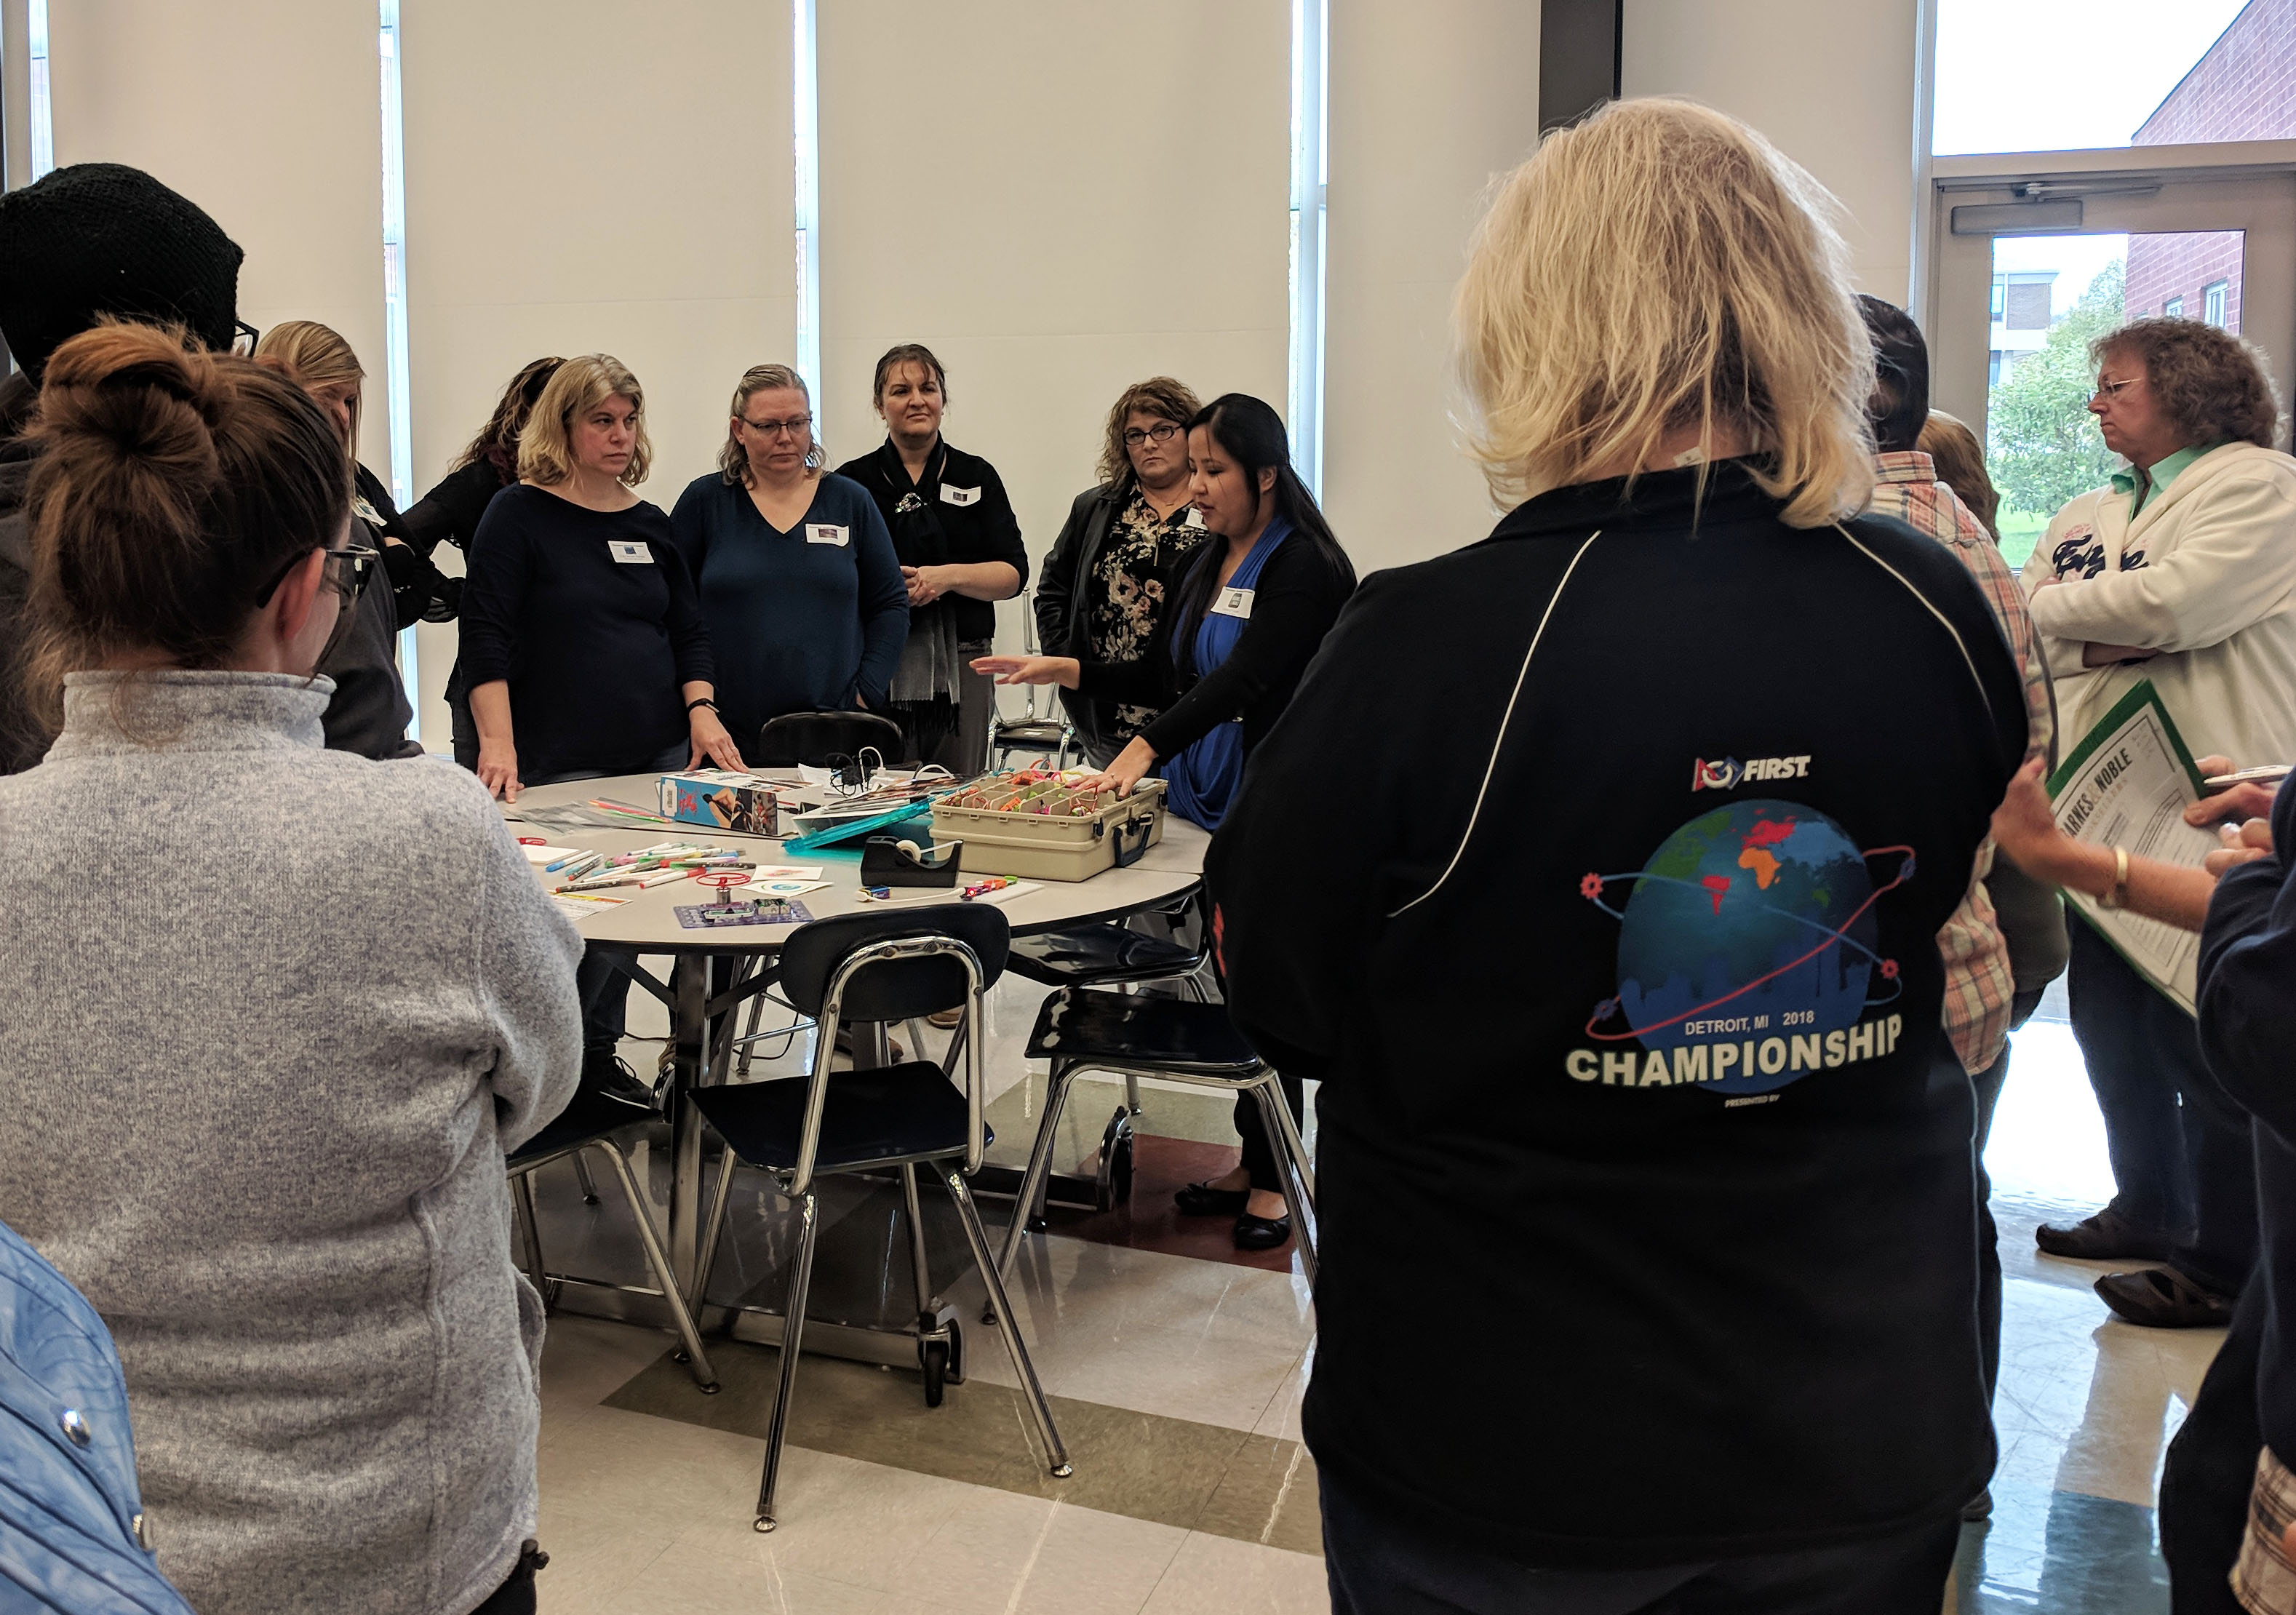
(828, 532)
(631, 552)
(1233, 602)
(1195, 517)
(959, 495)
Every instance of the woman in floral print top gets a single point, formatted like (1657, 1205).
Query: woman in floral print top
(1128, 538)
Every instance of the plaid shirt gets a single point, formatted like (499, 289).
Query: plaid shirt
(2262, 1578)
(1978, 986)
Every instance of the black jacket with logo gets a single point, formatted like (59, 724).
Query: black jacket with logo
(1648, 1232)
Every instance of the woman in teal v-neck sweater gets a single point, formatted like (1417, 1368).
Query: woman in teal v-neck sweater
(796, 574)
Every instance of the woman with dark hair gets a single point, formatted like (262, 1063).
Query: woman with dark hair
(331, 1353)
(794, 568)
(960, 550)
(2180, 572)
(1102, 590)
(451, 512)
(1248, 617)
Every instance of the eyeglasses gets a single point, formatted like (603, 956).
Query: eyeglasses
(244, 338)
(1163, 432)
(347, 570)
(2109, 391)
(794, 426)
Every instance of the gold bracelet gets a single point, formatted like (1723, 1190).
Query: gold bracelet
(2116, 895)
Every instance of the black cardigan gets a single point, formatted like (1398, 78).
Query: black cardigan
(936, 532)
(1299, 595)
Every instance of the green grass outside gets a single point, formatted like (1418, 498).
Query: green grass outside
(2021, 531)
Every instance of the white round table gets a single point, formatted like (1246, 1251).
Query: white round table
(702, 989)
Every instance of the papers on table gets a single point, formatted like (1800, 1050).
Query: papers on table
(547, 854)
(2128, 784)
(579, 905)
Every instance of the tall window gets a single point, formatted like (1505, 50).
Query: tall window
(1310, 158)
(806, 102)
(394, 307)
(2213, 302)
(44, 134)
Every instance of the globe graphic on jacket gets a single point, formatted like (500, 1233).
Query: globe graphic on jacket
(1755, 920)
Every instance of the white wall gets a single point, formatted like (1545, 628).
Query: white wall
(588, 177)
(1427, 105)
(1831, 82)
(266, 113)
(1059, 201)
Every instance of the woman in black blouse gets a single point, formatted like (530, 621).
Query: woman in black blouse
(960, 549)
(584, 647)
(450, 512)
(1248, 618)
(1103, 589)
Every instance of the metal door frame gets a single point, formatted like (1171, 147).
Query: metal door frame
(2248, 185)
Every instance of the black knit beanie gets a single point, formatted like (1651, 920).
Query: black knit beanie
(99, 238)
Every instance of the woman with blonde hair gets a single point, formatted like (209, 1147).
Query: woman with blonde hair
(583, 648)
(1621, 976)
(369, 712)
(794, 567)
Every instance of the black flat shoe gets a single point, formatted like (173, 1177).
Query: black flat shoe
(1201, 1200)
(610, 1074)
(1262, 1233)
(2162, 1298)
(2105, 1237)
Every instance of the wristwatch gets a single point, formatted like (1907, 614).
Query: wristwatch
(2116, 895)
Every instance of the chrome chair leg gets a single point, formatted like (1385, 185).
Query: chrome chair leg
(706, 1257)
(582, 1177)
(697, 1359)
(1298, 1194)
(1294, 1144)
(530, 1229)
(1001, 1305)
(1033, 1182)
(792, 1341)
(1132, 1091)
(749, 1036)
(920, 1267)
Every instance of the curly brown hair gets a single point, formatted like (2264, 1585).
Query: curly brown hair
(1159, 396)
(2211, 385)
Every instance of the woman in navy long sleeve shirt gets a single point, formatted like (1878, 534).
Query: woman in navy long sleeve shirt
(795, 569)
(583, 645)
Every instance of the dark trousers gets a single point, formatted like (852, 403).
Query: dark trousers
(1987, 1084)
(1378, 1567)
(2181, 1156)
(516, 1596)
(2204, 1485)
(602, 980)
(953, 734)
(1260, 1152)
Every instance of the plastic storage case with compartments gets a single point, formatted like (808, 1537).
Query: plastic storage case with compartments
(1039, 827)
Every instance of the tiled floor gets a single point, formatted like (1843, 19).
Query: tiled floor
(1177, 1379)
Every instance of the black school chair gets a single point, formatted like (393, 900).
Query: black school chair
(591, 1120)
(872, 968)
(1092, 1030)
(810, 740)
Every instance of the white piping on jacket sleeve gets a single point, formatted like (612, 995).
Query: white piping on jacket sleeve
(1507, 717)
(1959, 643)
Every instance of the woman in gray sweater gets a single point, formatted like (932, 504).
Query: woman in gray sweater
(257, 1097)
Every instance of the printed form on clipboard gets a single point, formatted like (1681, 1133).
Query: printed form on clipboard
(2128, 784)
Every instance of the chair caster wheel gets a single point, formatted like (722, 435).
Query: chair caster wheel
(710, 1390)
(762, 1524)
(1064, 1472)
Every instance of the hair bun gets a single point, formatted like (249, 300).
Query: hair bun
(134, 394)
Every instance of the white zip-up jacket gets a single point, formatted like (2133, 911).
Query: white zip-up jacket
(2205, 573)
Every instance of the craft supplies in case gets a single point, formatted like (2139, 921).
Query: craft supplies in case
(1038, 824)
(726, 800)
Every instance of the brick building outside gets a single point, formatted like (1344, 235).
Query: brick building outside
(2244, 87)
